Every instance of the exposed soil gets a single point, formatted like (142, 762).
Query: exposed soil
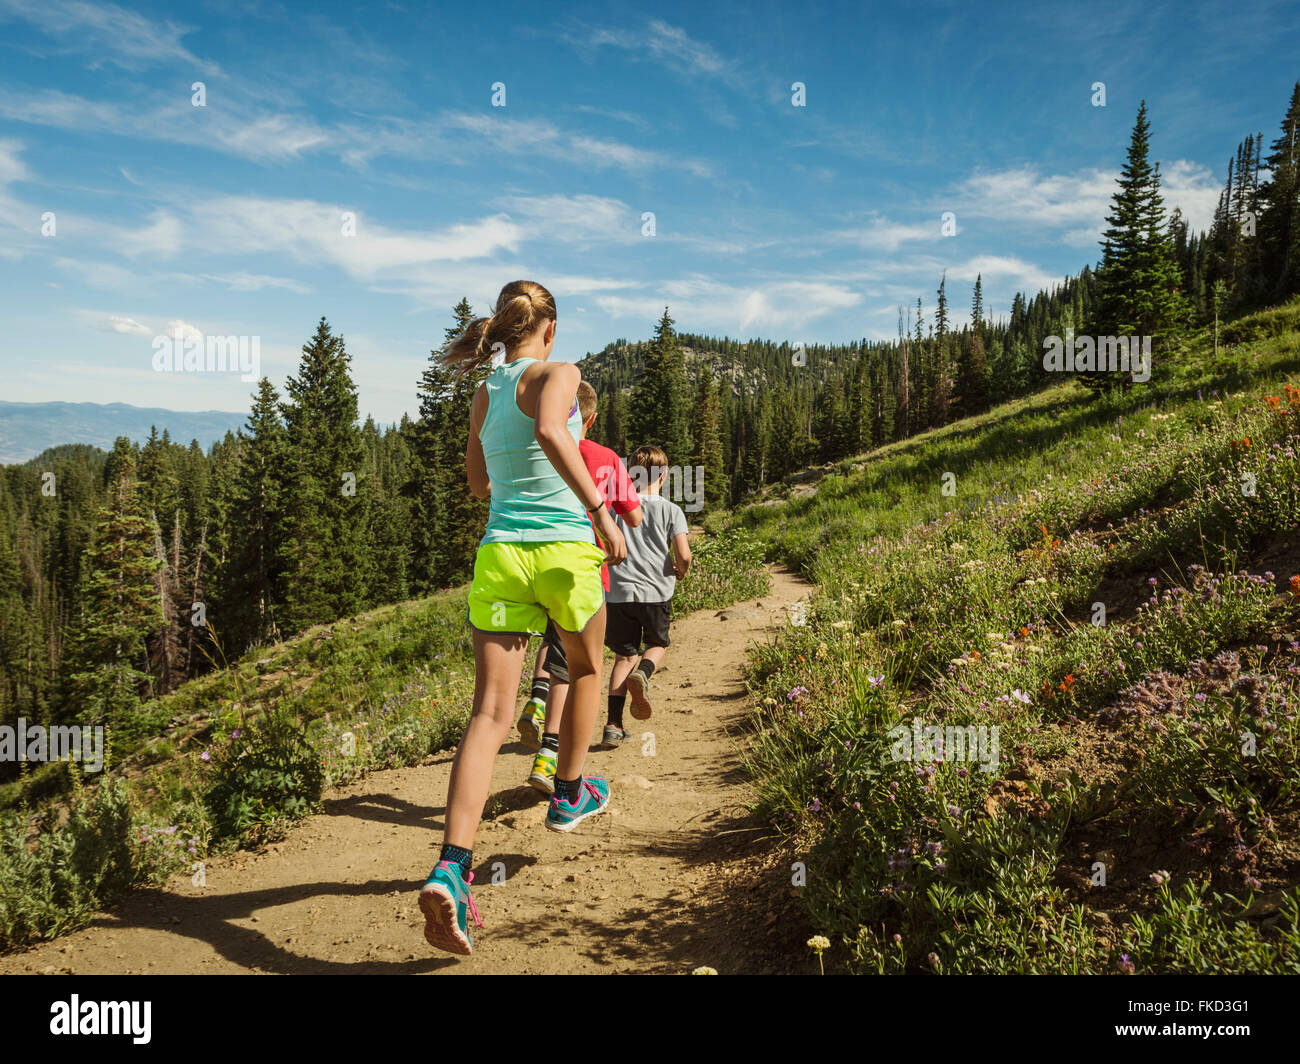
(675, 874)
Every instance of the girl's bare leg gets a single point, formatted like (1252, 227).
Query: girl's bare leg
(498, 664)
(584, 650)
(555, 699)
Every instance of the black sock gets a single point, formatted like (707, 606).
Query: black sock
(457, 855)
(567, 790)
(541, 687)
(616, 703)
(646, 667)
(551, 741)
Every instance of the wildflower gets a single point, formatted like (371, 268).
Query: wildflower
(995, 637)
(704, 970)
(796, 694)
(205, 756)
(819, 943)
(1126, 966)
(876, 681)
(933, 959)
(1159, 877)
(815, 805)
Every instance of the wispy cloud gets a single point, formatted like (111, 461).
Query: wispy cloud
(1073, 207)
(237, 127)
(312, 232)
(668, 45)
(882, 234)
(229, 128)
(779, 305)
(120, 323)
(107, 33)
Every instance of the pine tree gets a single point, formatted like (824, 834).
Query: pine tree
(427, 515)
(463, 517)
(438, 550)
(1279, 219)
(159, 484)
(974, 383)
(257, 571)
(120, 605)
(615, 427)
(325, 553)
(708, 440)
(1138, 282)
(659, 397)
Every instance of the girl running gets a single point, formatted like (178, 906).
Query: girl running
(537, 560)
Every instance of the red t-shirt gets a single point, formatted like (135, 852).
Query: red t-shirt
(615, 486)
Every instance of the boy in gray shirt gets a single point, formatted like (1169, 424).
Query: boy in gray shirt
(638, 604)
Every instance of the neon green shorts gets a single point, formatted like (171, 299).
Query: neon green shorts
(518, 586)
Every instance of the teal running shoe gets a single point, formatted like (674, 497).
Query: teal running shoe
(446, 903)
(593, 797)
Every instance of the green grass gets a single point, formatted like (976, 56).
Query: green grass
(958, 576)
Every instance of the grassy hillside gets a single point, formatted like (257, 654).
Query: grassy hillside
(1085, 617)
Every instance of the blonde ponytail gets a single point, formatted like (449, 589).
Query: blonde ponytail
(521, 307)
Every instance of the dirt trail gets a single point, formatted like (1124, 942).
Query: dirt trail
(671, 877)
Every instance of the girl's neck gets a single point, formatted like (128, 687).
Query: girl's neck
(531, 348)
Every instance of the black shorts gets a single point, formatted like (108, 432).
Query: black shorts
(557, 662)
(627, 624)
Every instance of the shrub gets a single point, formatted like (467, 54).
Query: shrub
(57, 883)
(1191, 934)
(263, 777)
(725, 569)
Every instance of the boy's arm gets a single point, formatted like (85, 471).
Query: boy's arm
(681, 555)
(475, 464)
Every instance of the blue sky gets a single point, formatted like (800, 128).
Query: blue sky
(804, 223)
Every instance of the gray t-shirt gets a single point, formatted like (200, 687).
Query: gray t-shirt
(647, 574)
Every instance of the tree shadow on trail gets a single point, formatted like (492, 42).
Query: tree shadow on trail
(209, 919)
(386, 809)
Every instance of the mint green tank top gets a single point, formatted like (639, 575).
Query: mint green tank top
(530, 501)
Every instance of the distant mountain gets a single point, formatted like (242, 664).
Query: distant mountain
(27, 429)
(748, 366)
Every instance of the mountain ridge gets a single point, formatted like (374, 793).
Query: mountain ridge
(27, 430)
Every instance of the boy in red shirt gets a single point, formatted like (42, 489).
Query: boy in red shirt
(540, 723)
